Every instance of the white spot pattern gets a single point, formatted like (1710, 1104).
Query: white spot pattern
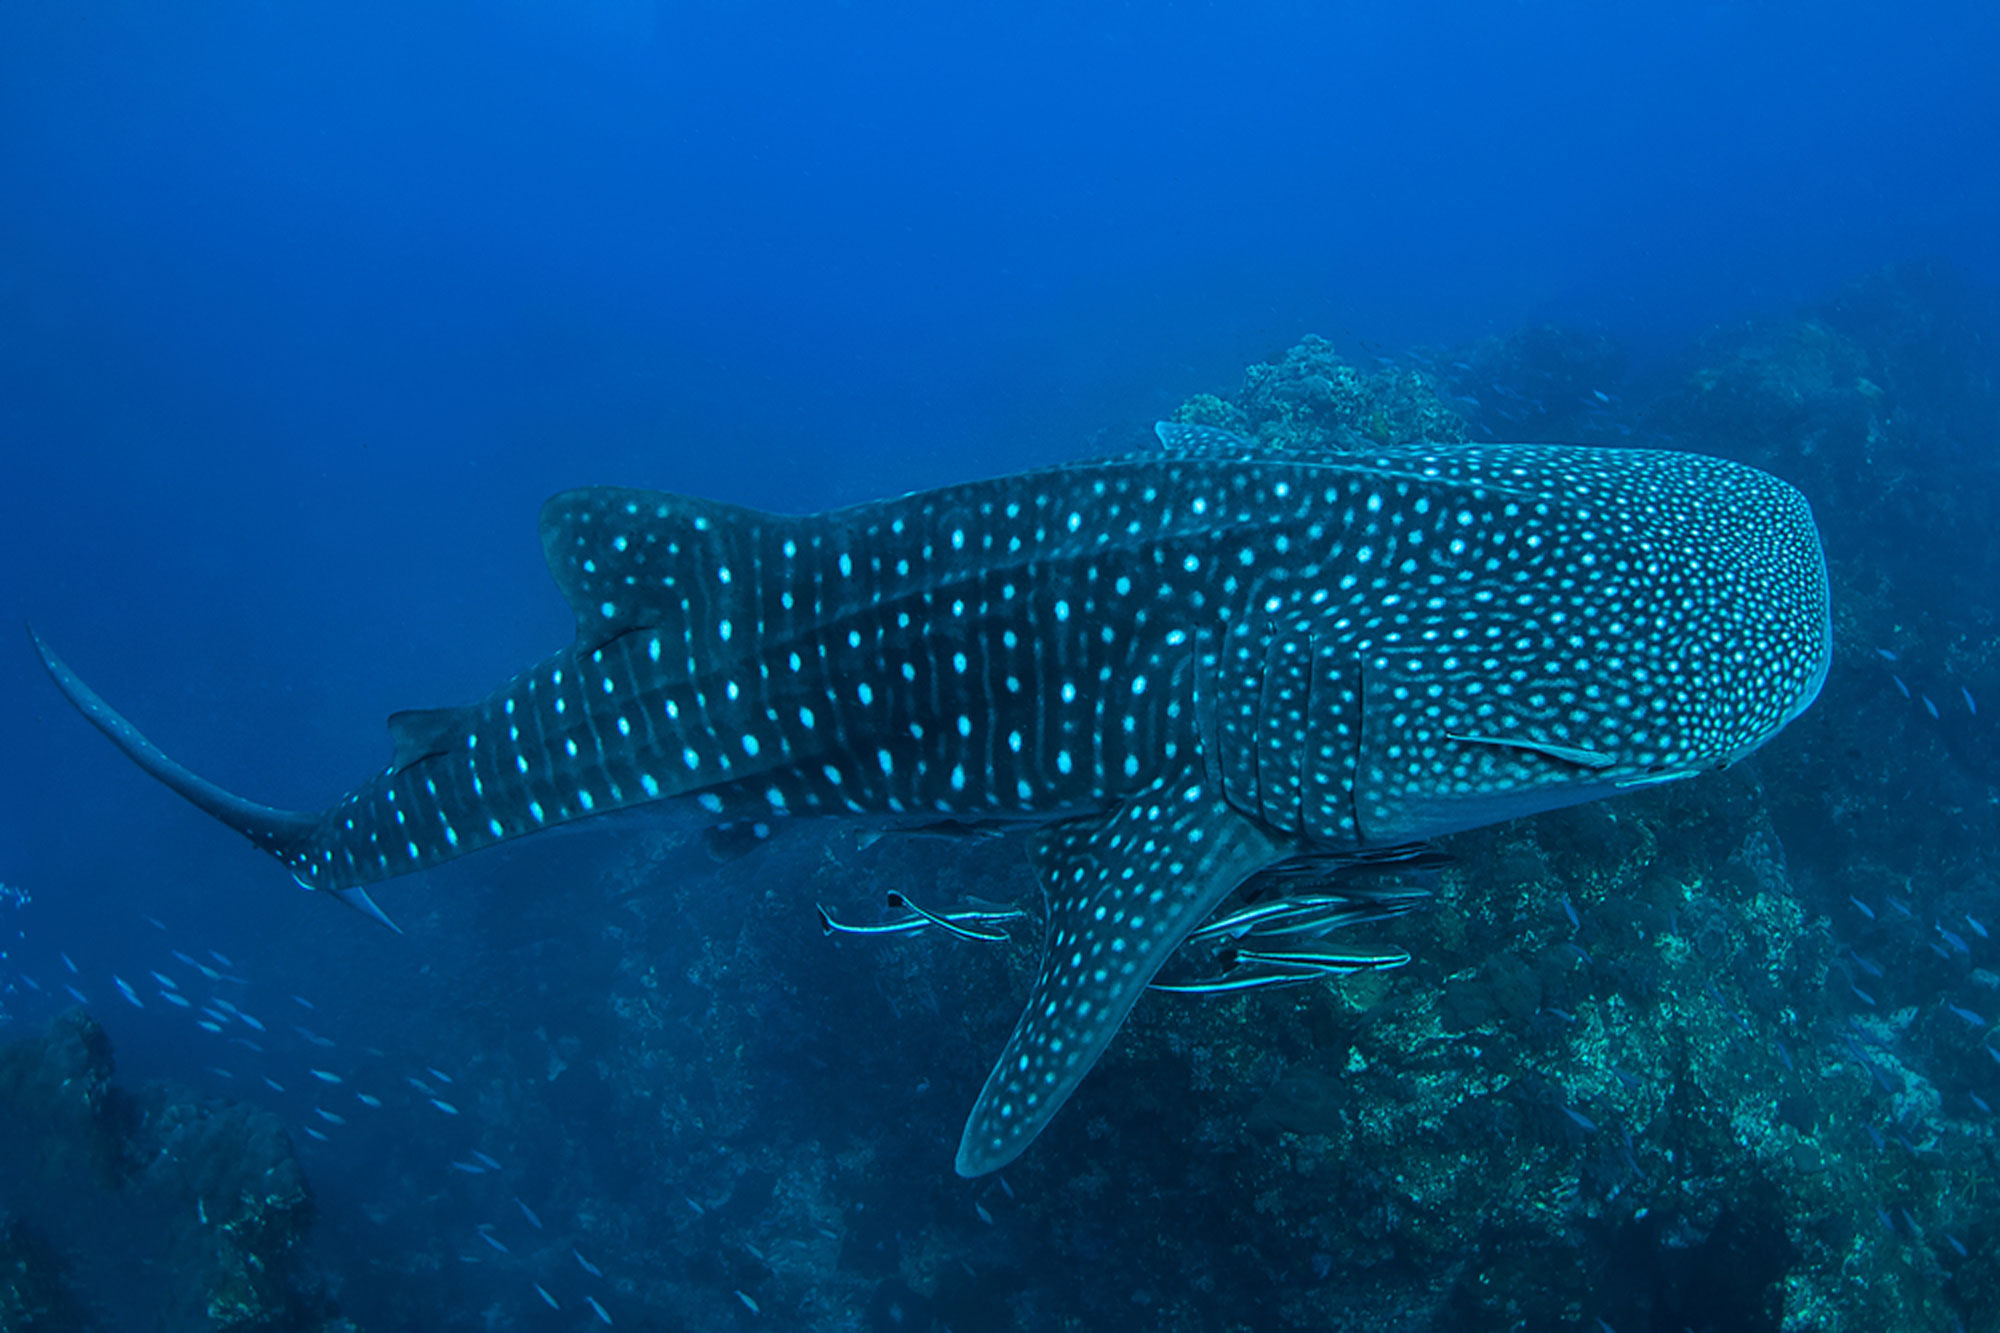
(1344, 650)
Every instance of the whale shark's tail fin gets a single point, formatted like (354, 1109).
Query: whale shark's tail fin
(277, 832)
(271, 829)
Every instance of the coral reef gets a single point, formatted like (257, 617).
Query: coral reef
(1310, 399)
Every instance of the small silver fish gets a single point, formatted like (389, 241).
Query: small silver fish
(302, 1002)
(748, 1303)
(491, 1164)
(439, 1075)
(494, 1241)
(591, 1301)
(1930, 707)
(331, 1117)
(444, 1106)
(368, 1099)
(175, 998)
(1978, 926)
(131, 996)
(250, 1020)
(469, 1168)
(324, 1076)
(316, 1134)
(273, 1084)
(543, 1292)
(79, 996)
(1970, 706)
(209, 1025)
(979, 1211)
(1580, 1120)
(218, 956)
(586, 1265)
(528, 1213)
(1885, 654)
(166, 981)
(1862, 907)
(67, 963)
(1901, 686)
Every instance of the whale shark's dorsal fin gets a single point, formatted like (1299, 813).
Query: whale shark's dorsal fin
(629, 560)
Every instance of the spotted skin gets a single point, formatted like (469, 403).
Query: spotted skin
(1185, 666)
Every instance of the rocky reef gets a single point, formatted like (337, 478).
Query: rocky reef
(145, 1208)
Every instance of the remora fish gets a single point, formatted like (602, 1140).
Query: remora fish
(1187, 667)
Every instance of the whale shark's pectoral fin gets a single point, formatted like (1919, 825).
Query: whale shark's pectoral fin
(1122, 890)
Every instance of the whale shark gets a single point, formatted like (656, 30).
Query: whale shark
(1181, 673)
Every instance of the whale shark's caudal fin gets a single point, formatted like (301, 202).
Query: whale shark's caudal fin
(275, 831)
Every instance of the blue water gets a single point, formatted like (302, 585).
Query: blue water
(304, 308)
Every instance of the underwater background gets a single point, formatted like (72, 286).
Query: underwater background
(305, 308)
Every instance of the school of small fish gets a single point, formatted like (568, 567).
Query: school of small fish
(225, 1012)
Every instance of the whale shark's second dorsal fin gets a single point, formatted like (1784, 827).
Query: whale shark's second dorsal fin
(419, 733)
